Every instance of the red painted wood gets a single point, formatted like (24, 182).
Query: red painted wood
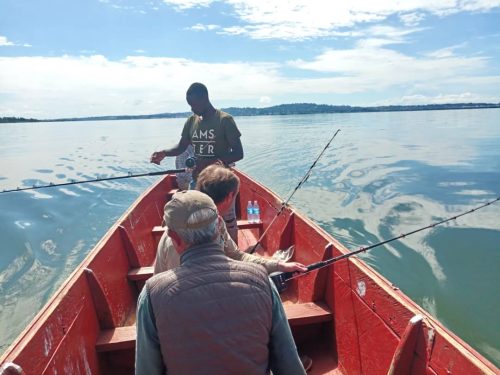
(297, 314)
(448, 359)
(64, 332)
(363, 335)
(307, 313)
(345, 333)
(110, 266)
(37, 346)
(116, 339)
(377, 342)
(102, 307)
(247, 238)
(76, 352)
(141, 273)
(379, 296)
(245, 224)
(403, 358)
(420, 367)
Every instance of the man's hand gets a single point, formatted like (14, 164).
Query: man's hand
(291, 267)
(157, 157)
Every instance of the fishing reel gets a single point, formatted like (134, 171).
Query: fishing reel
(280, 280)
(191, 162)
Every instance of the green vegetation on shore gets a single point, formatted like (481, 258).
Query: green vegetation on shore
(18, 119)
(282, 109)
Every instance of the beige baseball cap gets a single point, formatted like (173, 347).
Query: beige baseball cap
(183, 204)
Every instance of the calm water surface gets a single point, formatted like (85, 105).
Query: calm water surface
(385, 174)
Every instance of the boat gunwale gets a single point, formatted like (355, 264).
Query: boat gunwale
(463, 347)
(52, 304)
(38, 321)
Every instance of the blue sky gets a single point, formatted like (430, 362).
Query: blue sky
(62, 58)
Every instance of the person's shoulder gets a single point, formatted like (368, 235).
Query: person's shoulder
(162, 279)
(255, 269)
(191, 119)
(224, 115)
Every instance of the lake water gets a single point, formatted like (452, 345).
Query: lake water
(383, 175)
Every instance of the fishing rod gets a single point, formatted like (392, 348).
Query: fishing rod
(301, 182)
(130, 175)
(280, 279)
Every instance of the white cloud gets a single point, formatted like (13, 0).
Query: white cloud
(5, 42)
(373, 68)
(201, 27)
(187, 4)
(265, 100)
(71, 86)
(446, 52)
(412, 19)
(67, 86)
(304, 19)
(465, 97)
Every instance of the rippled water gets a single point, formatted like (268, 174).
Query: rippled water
(384, 174)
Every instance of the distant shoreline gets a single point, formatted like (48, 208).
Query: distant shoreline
(278, 110)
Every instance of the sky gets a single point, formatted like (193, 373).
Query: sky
(78, 58)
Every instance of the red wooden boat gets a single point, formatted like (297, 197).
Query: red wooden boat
(346, 317)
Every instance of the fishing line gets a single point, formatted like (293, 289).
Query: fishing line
(280, 279)
(130, 175)
(301, 182)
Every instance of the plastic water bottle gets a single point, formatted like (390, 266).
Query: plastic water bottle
(250, 214)
(256, 212)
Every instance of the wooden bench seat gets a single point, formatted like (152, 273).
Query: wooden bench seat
(245, 224)
(158, 230)
(140, 274)
(116, 339)
(297, 313)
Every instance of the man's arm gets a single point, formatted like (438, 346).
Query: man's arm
(178, 149)
(283, 356)
(232, 135)
(236, 152)
(148, 359)
(271, 265)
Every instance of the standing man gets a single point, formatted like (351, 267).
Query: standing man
(212, 314)
(213, 133)
(214, 137)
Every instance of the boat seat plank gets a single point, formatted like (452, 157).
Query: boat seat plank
(307, 313)
(245, 224)
(140, 274)
(297, 313)
(158, 230)
(242, 224)
(116, 339)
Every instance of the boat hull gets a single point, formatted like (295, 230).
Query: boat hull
(346, 317)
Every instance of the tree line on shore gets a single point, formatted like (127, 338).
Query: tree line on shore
(282, 109)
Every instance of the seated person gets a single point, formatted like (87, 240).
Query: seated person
(212, 314)
(222, 185)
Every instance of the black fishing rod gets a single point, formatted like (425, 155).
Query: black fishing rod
(280, 279)
(130, 175)
(301, 182)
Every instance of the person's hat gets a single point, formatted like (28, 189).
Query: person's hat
(185, 203)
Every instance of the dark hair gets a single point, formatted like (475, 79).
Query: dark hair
(217, 182)
(197, 89)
